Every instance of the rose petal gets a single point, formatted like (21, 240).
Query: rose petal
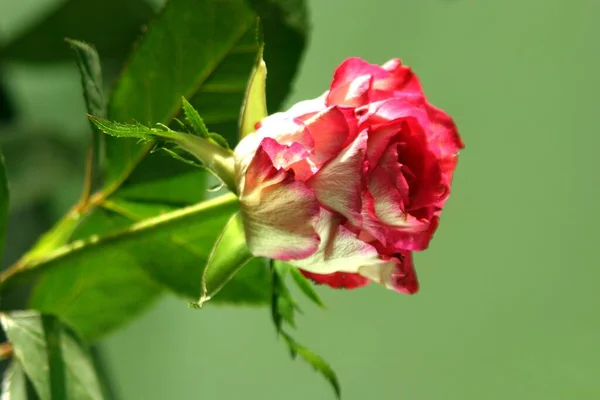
(401, 79)
(397, 274)
(338, 280)
(339, 183)
(286, 129)
(352, 81)
(331, 130)
(414, 237)
(307, 108)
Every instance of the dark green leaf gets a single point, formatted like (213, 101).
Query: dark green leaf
(56, 363)
(27, 333)
(316, 361)
(283, 308)
(88, 62)
(283, 305)
(4, 203)
(14, 383)
(111, 25)
(306, 286)
(97, 284)
(229, 254)
(206, 55)
(194, 119)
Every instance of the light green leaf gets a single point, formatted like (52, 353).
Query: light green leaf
(229, 254)
(316, 361)
(4, 203)
(254, 108)
(283, 308)
(14, 383)
(129, 130)
(29, 333)
(194, 119)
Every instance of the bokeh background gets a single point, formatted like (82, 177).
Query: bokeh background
(509, 306)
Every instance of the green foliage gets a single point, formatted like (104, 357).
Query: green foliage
(316, 361)
(193, 118)
(88, 62)
(169, 64)
(283, 305)
(90, 70)
(51, 357)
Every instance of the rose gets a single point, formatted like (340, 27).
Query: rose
(346, 186)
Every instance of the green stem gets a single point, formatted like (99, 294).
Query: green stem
(216, 158)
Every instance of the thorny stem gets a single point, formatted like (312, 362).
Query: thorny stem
(87, 183)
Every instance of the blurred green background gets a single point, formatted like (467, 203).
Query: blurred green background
(509, 306)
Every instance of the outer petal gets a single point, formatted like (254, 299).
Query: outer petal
(400, 79)
(331, 129)
(286, 129)
(279, 213)
(338, 280)
(339, 183)
(340, 250)
(397, 274)
(307, 108)
(350, 85)
(352, 82)
(415, 238)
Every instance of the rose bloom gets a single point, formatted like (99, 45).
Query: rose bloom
(346, 186)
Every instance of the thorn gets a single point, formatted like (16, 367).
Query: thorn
(216, 188)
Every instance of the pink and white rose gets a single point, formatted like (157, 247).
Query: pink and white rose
(346, 186)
